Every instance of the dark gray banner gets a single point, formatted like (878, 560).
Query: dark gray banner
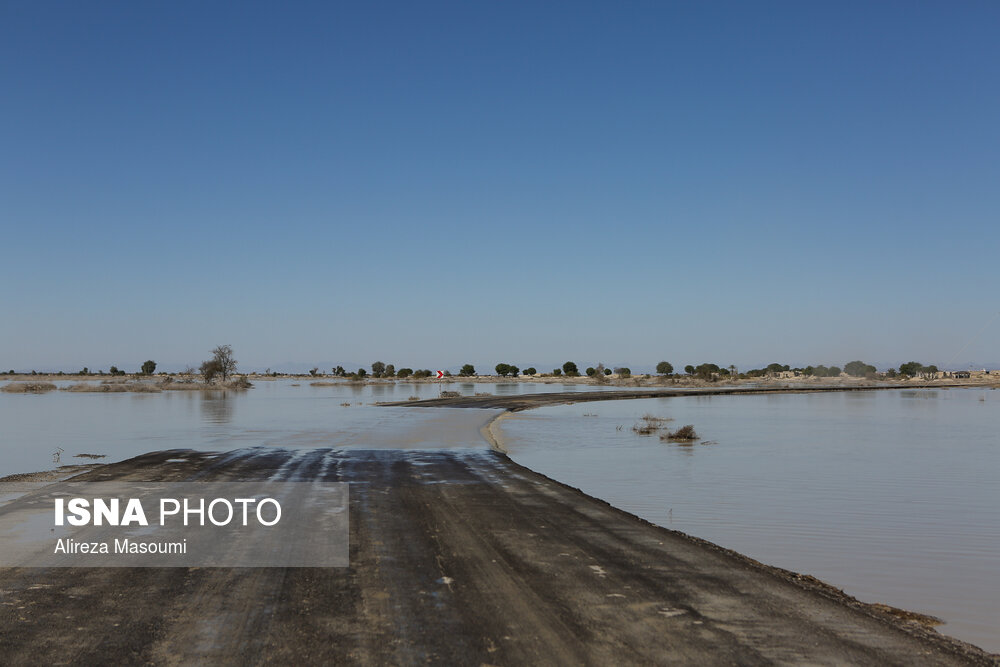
(174, 524)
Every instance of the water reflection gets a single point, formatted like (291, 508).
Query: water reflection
(217, 407)
(383, 391)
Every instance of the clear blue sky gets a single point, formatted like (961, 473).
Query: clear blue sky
(431, 184)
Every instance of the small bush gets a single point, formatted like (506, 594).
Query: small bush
(450, 394)
(483, 393)
(683, 434)
(413, 398)
(650, 424)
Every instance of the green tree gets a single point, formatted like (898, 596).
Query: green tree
(607, 371)
(378, 369)
(210, 369)
(513, 370)
(858, 368)
(530, 370)
(404, 372)
(910, 368)
(689, 369)
(707, 371)
(313, 371)
(468, 370)
(390, 371)
(623, 372)
(557, 371)
(338, 371)
(833, 371)
(591, 371)
(502, 369)
(664, 368)
(569, 368)
(361, 373)
(148, 367)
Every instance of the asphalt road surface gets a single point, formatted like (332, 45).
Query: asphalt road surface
(457, 557)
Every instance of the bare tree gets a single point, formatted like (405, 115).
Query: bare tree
(223, 355)
(600, 375)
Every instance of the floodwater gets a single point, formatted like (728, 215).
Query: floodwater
(891, 495)
(274, 413)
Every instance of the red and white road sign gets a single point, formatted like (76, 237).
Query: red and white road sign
(440, 374)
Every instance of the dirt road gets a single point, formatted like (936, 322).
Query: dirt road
(457, 557)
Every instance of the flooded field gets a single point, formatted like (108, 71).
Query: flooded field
(278, 413)
(890, 495)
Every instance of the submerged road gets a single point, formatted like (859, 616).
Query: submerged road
(518, 402)
(457, 557)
